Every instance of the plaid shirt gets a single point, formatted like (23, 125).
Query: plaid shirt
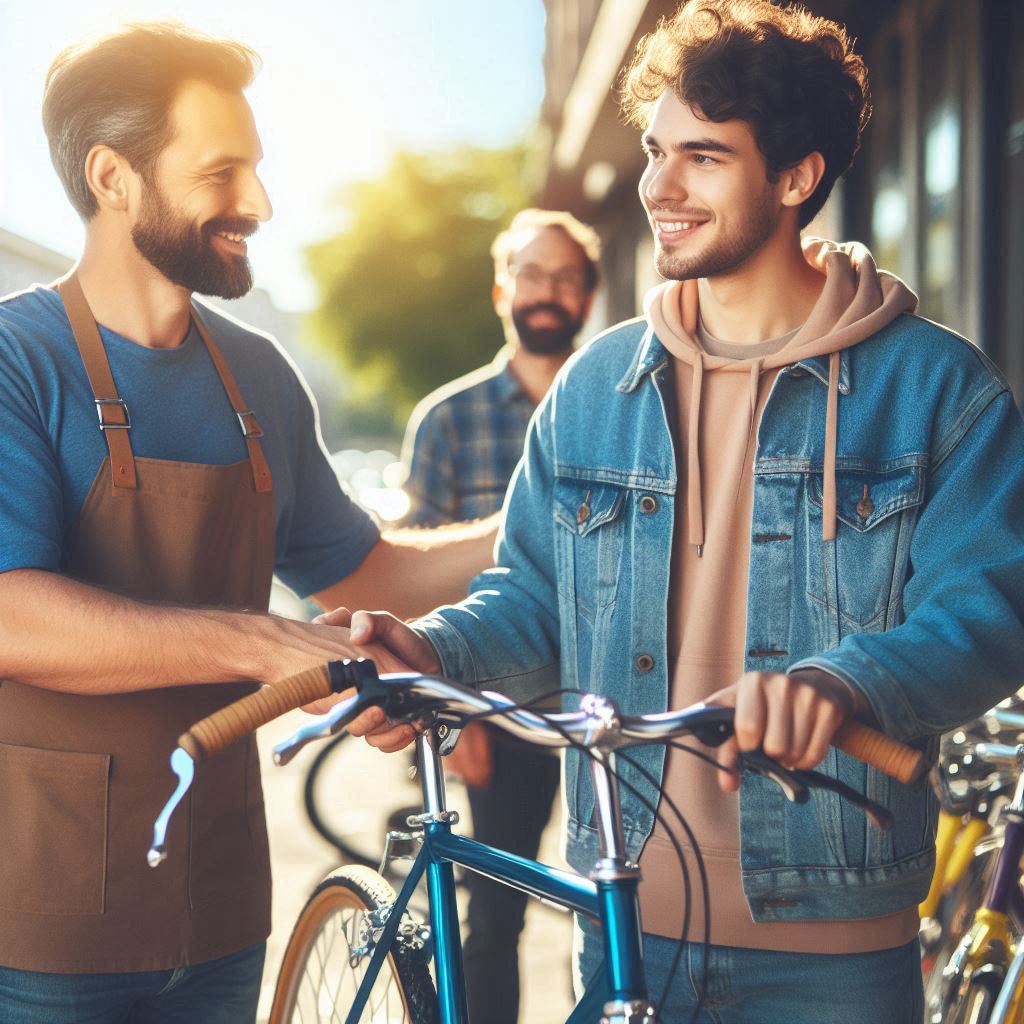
(462, 445)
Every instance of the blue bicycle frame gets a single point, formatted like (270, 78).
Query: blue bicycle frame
(609, 896)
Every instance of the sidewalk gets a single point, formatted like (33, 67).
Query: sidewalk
(301, 859)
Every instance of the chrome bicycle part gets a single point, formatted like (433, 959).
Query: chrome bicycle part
(184, 767)
(399, 846)
(636, 1011)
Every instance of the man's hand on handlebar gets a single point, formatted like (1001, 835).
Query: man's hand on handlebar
(374, 632)
(792, 717)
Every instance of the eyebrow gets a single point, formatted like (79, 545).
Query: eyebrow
(693, 145)
(227, 159)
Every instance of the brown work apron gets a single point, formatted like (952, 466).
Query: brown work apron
(82, 778)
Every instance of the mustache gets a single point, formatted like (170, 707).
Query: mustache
(244, 226)
(547, 307)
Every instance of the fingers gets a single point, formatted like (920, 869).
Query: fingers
(340, 616)
(381, 732)
(391, 633)
(728, 757)
(791, 720)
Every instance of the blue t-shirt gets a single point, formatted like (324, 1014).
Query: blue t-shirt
(51, 446)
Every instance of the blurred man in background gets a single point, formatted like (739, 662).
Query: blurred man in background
(461, 448)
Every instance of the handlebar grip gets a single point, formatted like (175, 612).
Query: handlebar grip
(903, 763)
(231, 723)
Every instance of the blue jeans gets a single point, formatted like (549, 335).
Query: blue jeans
(752, 986)
(222, 991)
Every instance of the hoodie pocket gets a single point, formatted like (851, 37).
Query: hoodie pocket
(863, 572)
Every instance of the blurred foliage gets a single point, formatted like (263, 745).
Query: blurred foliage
(405, 288)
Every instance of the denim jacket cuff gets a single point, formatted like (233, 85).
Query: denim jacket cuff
(877, 689)
(451, 648)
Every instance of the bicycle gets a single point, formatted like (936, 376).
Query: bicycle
(983, 981)
(355, 950)
(972, 792)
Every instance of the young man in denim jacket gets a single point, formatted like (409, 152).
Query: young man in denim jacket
(779, 490)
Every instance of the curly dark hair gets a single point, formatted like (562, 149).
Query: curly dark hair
(792, 76)
(117, 91)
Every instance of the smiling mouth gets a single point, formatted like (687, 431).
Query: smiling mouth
(233, 241)
(669, 231)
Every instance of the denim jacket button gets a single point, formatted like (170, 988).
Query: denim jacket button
(865, 506)
(645, 663)
(648, 503)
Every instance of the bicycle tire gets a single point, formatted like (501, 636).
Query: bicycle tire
(320, 976)
(975, 1004)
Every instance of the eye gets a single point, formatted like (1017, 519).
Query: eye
(703, 160)
(221, 177)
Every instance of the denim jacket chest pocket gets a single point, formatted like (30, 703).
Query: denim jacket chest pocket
(863, 572)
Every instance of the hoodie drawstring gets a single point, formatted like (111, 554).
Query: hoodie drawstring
(694, 499)
(828, 525)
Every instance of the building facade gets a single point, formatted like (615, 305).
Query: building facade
(937, 190)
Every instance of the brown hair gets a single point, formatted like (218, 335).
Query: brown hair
(117, 91)
(791, 75)
(504, 246)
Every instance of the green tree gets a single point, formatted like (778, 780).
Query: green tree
(405, 288)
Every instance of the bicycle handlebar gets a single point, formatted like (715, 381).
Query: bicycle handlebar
(409, 695)
(597, 725)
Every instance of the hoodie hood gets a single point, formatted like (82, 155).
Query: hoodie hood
(857, 301)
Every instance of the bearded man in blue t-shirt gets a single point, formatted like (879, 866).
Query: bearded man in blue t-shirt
(161, 462)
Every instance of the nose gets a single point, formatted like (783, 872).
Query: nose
(254, 201)
(662, 183)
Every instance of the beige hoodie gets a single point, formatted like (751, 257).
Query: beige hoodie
(720, 402)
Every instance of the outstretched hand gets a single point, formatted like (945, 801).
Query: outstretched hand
(792, 717)
(376, 634)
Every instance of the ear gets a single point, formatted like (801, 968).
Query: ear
(502, 299)
(800, 180)
(109, 178)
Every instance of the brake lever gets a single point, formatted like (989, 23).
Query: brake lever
(757, 762)
(881, 817)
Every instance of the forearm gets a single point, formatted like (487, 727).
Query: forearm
(60, 634)
(410, 572)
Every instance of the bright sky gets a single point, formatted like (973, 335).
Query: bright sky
(344, 83)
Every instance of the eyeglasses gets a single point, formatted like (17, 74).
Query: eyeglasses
(565, 282)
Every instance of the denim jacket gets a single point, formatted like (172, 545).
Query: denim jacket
(918, 604)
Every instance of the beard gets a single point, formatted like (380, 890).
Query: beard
(546, 341)
(727, 253)
(184, 251)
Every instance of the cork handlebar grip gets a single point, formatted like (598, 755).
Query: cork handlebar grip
(903, 763)
(224, 727)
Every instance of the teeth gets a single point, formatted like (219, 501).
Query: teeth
(677, 225)
(231, 237)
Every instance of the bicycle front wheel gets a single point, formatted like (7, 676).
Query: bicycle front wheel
(326, 959)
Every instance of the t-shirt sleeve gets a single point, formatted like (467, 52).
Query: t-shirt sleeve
(429, 479)
(327, 534)
(31, 502)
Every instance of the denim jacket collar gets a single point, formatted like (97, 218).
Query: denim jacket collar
(650, 355)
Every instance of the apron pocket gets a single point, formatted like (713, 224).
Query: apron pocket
(53, 836)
